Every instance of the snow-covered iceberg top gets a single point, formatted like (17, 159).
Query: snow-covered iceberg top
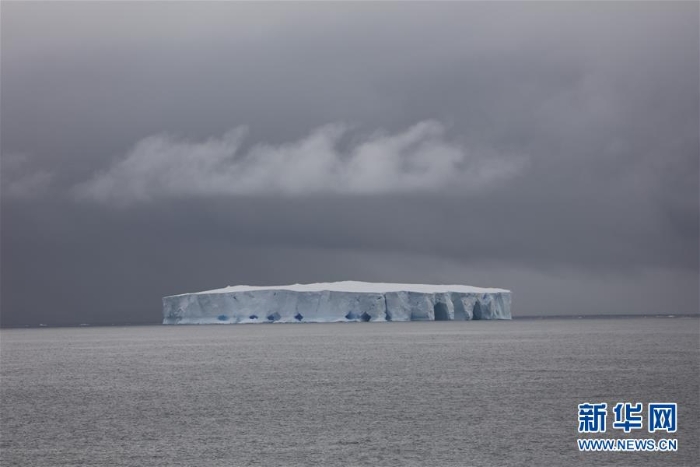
(337, 301)
(358, 287)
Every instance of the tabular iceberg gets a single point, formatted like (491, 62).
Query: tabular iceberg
(337, 302)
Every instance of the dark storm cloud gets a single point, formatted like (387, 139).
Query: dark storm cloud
(559, 145)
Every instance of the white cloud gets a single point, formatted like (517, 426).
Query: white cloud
(421, 158)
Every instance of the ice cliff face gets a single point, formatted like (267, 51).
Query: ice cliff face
(337, 301)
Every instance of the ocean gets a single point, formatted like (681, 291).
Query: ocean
(499, 393)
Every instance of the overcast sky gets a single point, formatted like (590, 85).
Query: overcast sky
(160, 148)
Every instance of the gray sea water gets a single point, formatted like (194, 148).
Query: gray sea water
(424, 394)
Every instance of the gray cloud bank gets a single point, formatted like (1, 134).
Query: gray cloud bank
(550, 148)
(417, 159)
(19, 179)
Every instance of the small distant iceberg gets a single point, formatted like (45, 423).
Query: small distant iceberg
(347, 301)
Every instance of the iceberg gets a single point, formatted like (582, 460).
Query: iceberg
(337, 302)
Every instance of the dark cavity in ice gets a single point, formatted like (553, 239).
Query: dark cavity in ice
(366, 316)
(476, 312)
(351, 315)
(222, 317)
(440, 310)
(253, 317)
(273, 316)
(298, 317)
